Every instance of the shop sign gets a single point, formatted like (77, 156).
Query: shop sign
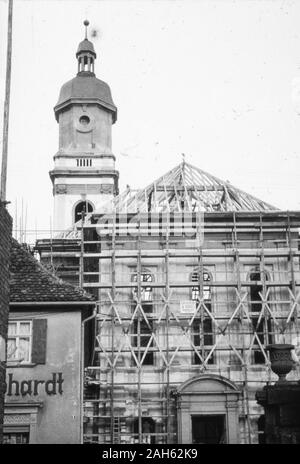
(31, 387)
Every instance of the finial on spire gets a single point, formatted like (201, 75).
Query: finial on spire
(85, 53)
(183, 157)
(86, 24)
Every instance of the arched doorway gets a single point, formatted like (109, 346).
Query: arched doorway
(207, 410)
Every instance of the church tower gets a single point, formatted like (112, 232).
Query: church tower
(84, 176)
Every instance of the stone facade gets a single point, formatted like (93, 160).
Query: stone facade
(5, 243)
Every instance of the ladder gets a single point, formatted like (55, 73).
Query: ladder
(117, 429)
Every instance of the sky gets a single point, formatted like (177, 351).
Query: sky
(216, 80)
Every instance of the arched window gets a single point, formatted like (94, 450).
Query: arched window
(82, 207)
(206, 287)
(143, 328)
(261, 325)
(203, 334)
(146, 292)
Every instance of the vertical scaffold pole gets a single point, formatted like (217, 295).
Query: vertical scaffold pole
(81, 259)
(113, 296)
(291, 260)
(263, 278)
(139, 294)
(6, 104)
(239, 287)
(167, 293)
(200, 283)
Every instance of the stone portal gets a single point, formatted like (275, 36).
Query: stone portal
(207, 409)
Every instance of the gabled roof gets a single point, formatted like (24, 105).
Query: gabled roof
(188, 188)
(31, 282)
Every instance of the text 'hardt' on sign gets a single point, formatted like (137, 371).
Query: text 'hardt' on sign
(31, 387)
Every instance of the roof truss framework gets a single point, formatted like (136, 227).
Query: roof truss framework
(184, 188)
(188, 188)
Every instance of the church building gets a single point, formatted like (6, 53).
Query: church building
(193, 279)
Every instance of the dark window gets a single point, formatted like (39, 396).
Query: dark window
(142, 328)
(15, 438)
(82, 207)
(261, 324)
(261, 430)
(203, 336)
(84, 120)
(208, 430)
(148, 430)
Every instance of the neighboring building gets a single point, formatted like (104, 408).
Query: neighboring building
(193, 277)
(5, 240)
(44, 354)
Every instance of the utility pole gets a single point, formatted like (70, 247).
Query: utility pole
(6, 103)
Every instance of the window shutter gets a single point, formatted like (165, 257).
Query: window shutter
(39, 341)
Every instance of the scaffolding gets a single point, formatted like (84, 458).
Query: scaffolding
(180, 294)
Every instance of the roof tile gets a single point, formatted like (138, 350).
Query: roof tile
(30, 281)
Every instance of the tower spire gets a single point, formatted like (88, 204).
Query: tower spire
(86, 24)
